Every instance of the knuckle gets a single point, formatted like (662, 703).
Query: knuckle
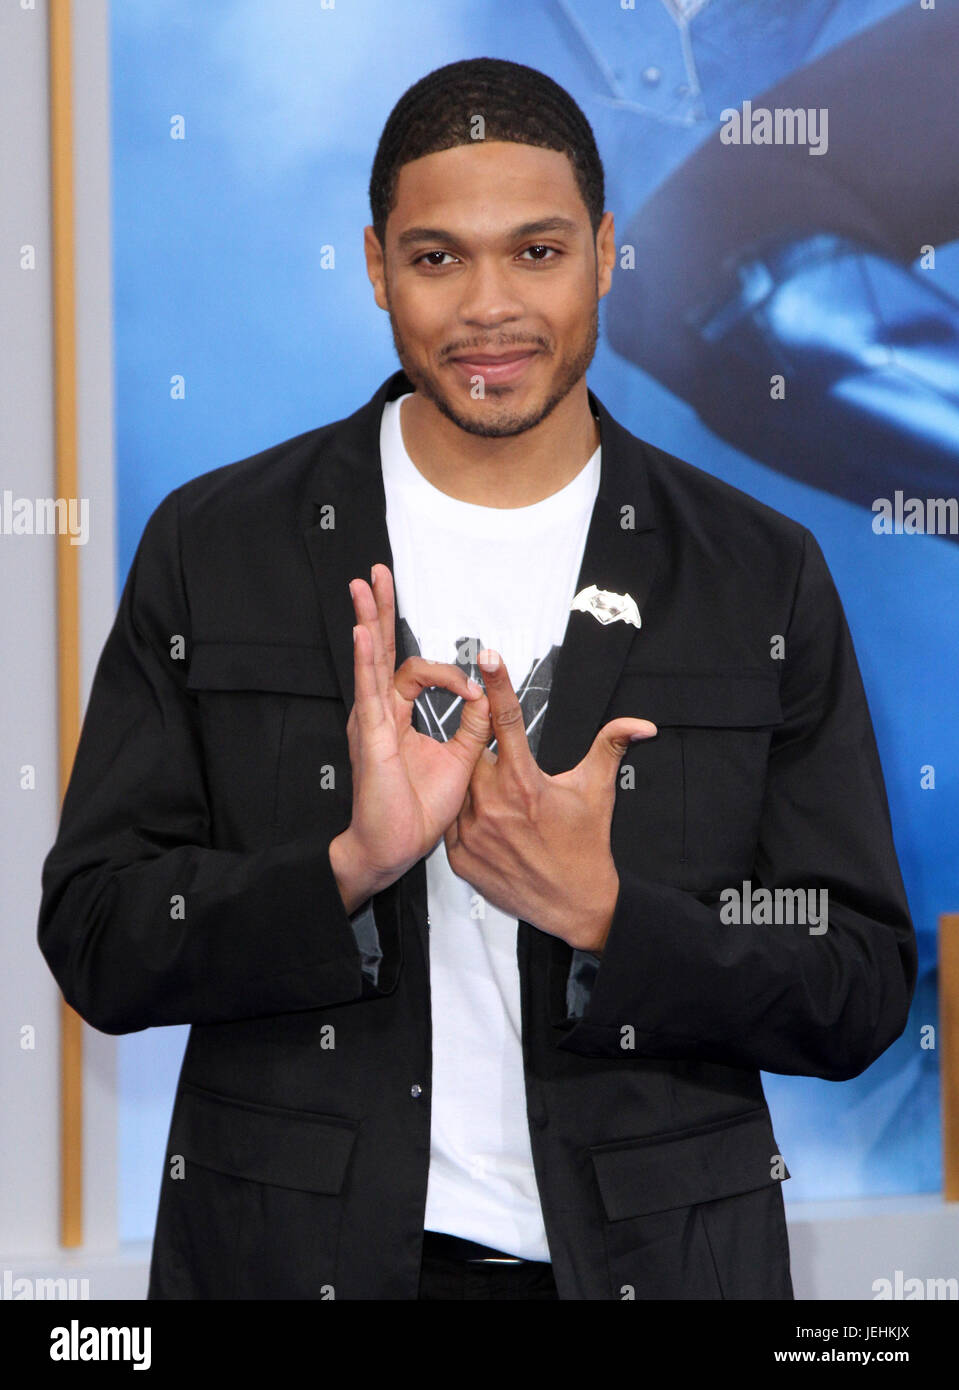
(522, 789)
(508, 716)
(473, 724)
(416, 666)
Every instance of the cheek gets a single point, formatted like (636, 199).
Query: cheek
(570, 312)
(421, 316)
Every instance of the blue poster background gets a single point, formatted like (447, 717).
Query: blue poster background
(219, 246)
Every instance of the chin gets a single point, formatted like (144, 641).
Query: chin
(496, 415)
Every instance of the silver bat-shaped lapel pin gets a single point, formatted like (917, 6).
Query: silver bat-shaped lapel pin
(605, 606)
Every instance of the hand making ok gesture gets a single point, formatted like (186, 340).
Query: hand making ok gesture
(407, 786)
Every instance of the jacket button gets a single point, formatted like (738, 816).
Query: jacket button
(416, 1091)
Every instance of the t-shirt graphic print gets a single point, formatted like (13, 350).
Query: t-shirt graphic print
(439, 710)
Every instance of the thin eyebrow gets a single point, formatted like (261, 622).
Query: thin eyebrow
(413, 236)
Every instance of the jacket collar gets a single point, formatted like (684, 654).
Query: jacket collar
(346, 533)
(354, 452)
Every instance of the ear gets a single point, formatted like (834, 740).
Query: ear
(375, 266)
(605, 254)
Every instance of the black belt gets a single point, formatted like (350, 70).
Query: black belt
(456, 1248)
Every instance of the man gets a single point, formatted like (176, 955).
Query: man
(466, 1021)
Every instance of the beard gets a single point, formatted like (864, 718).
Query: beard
(506, 420)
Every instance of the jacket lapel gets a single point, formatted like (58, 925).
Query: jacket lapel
(345, 527)
(622, 554)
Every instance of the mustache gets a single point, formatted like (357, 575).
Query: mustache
(498, 345)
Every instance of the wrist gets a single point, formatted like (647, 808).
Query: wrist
(355, 879)
(593, 933)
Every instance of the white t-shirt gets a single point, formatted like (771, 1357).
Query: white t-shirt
(470, 577)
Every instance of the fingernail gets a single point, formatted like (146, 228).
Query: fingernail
(373, 574)
(474, 687)
(488, 660)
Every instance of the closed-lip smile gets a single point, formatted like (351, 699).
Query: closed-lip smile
(494, 356)
(495, 367)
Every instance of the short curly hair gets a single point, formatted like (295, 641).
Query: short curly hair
(517, 103)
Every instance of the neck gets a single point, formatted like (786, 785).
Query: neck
(515, 471)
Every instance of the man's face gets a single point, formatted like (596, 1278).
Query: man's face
(491, 279)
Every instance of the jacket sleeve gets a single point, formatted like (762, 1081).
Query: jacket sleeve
(677, 981)
(141, 921)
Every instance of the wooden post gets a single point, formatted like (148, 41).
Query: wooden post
(68, 606)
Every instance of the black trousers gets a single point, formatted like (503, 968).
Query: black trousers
(447, 1276)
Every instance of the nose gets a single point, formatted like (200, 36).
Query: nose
(490, 297)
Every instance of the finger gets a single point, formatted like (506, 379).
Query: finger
(385, 595)
(367, 704)
(417, 674)
(611, 743)
(474, 732)
(367, 613)
(506, 713)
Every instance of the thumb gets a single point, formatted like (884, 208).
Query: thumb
(475, 730)
(612, 741)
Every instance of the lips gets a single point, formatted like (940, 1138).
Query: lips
(495, 357)
(496, 367)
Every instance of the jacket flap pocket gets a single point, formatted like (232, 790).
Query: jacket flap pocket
(734, 701)
(285, 1148)
(638, 1177)
(262, 666)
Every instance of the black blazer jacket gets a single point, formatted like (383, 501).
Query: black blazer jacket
(190, 883)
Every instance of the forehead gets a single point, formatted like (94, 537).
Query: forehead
(485, 184)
